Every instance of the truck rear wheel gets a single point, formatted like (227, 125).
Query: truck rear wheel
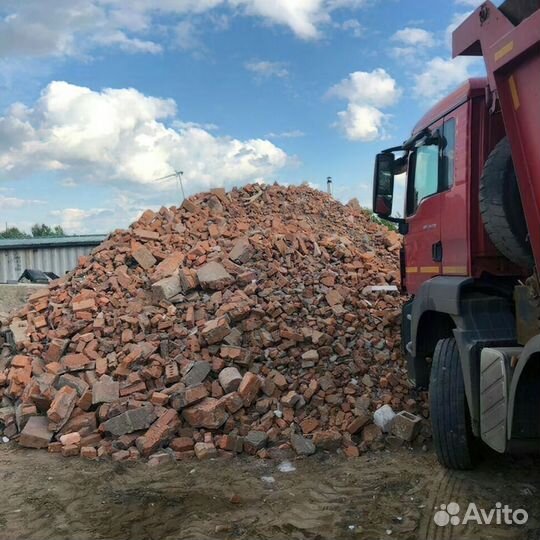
(453, 439)
(501, 209)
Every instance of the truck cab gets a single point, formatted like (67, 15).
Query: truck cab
(471, 226)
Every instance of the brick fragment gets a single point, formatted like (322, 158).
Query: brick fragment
(242, 251)
(61, 407)
(216, 330)
(89, 452)
(182, 444)
(327, 440)
(209, 414)
(205, 450)
(249, 388)
(144, 258)
(188, 396)
(169, 266)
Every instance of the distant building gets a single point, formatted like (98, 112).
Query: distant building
(53, 255)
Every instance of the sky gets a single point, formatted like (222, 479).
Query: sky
(99, 99)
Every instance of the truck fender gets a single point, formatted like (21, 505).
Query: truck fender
(441, 295)
(473, 314)
(530, 353)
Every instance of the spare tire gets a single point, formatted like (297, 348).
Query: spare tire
(501, 208)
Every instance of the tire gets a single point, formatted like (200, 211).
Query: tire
(501, 208)
(453, 439)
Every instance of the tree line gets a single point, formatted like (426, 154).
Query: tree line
(37, 231)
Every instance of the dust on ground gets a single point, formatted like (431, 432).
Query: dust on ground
(386, 495)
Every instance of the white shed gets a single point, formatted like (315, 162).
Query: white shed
(57, 255)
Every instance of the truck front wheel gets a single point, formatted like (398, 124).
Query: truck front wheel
(453, 439)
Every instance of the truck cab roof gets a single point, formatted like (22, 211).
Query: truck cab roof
(470, 88)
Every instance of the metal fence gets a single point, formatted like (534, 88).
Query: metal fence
(57, 255)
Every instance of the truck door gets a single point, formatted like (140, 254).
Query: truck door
(423, 249)
(454, 231)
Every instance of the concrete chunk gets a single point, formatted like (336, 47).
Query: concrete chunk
(214, 277)
(406, 425)
(105, 390)
(230, 379)
(36, 433)
(130, 421)
(302, 446)
(197, 374)
(166, 288)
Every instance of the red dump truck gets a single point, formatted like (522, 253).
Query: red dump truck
(471, 255)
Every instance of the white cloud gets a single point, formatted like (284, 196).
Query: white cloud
(417, 37)
(264, 69)
(439, 76)
(470, 3)
(119, 135)
(442, 75)
(133, 45)
(78, 221)
(67, 27)
(208, 126)
(412, 44)
(187, 36)
(366, 93)
(10, 203)
(361, 122)
(354, 26)
(375, 88)
(293, 134)
(303, 17)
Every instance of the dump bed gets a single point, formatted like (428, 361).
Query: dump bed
(508, 38)
(518, 10)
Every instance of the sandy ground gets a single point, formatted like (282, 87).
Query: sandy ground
(386, 495)
(14, 296)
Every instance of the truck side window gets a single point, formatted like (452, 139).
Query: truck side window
(426, 175)
(448, 153)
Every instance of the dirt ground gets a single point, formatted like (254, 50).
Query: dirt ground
(392, 494)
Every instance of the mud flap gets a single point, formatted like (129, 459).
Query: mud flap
(495, 376)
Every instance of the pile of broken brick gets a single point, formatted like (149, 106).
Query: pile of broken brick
(260, 320)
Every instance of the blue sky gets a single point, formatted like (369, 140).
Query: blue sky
(101, 97)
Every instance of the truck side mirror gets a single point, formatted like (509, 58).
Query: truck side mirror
(383, 184)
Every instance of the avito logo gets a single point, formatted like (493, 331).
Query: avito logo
(449, 514)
